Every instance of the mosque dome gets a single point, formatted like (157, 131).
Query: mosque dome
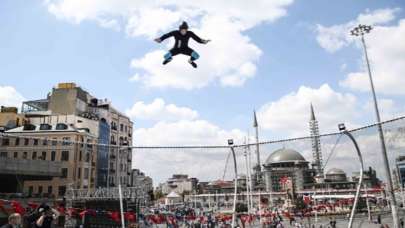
(285, 155)
(335, 171)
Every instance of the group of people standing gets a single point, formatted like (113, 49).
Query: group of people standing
(42, 217)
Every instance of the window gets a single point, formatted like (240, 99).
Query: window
(43, 156)
(5, 142)
(126, 128)
(15, 154)
(50, 189)
(26, 142)
(40, 190)
(30, 190)
(80, 156)
(65, 155)
(36, 142)
(17, 141)
(3, 154)
(54, 141)
(87, 157)
(45, 142)
(25, 155)
(64, 173)
(86, 173)
(29, 127)
(62, 190)
(34, 155)
(66, 141)
(121, 127)
(61, 126)
(44, 127)
(79, 173)
(53, 155)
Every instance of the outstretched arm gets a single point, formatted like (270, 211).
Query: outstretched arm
(165, 36)
(198, 39)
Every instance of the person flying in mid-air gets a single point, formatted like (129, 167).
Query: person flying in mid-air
(181, 37)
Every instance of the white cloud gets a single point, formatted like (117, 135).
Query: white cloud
(160, 111)
(290, 114)
(185, 132)
(9, 96)
(333, 38)
(179, 126)
(389, 109)
(385, 49)
(203, 163)
(229, 60)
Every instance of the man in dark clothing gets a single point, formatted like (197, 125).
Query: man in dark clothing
(181, 37)
(46, 216)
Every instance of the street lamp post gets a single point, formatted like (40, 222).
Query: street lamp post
(230, 143)
(342, 128)
(360, 30)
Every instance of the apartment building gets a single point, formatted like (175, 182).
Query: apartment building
(72, 105)
(68, 146)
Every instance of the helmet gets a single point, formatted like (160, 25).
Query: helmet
(183, 25)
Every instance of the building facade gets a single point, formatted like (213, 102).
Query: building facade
(400, 170)
(10, 118)
(70, 104)
(286, 169)
(179, 183)
(144, 183)
(54, 143)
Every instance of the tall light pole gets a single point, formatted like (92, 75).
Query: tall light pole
(342, 128)
(360, 30)
(230, 144)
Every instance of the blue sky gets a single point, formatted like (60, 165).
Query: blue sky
(40, 48)
(275, 56)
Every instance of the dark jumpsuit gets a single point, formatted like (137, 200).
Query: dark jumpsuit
(181, 44)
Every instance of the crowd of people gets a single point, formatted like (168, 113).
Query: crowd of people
(42, 217)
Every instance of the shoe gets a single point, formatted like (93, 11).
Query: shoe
(167, 61)
(193, 63)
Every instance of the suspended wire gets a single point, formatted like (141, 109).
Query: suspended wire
(226, 165)
(332, 151)
(13, 135)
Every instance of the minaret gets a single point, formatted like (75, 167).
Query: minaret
(256, 126)
(316, 143)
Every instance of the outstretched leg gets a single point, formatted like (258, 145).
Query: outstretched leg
(193, 56)
(169, 56)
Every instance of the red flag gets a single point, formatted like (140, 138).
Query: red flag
(61, 209)
(82, 214)
(33, 206)
(306, 199)
(130, 216)
(17, 207)
(115, 216)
